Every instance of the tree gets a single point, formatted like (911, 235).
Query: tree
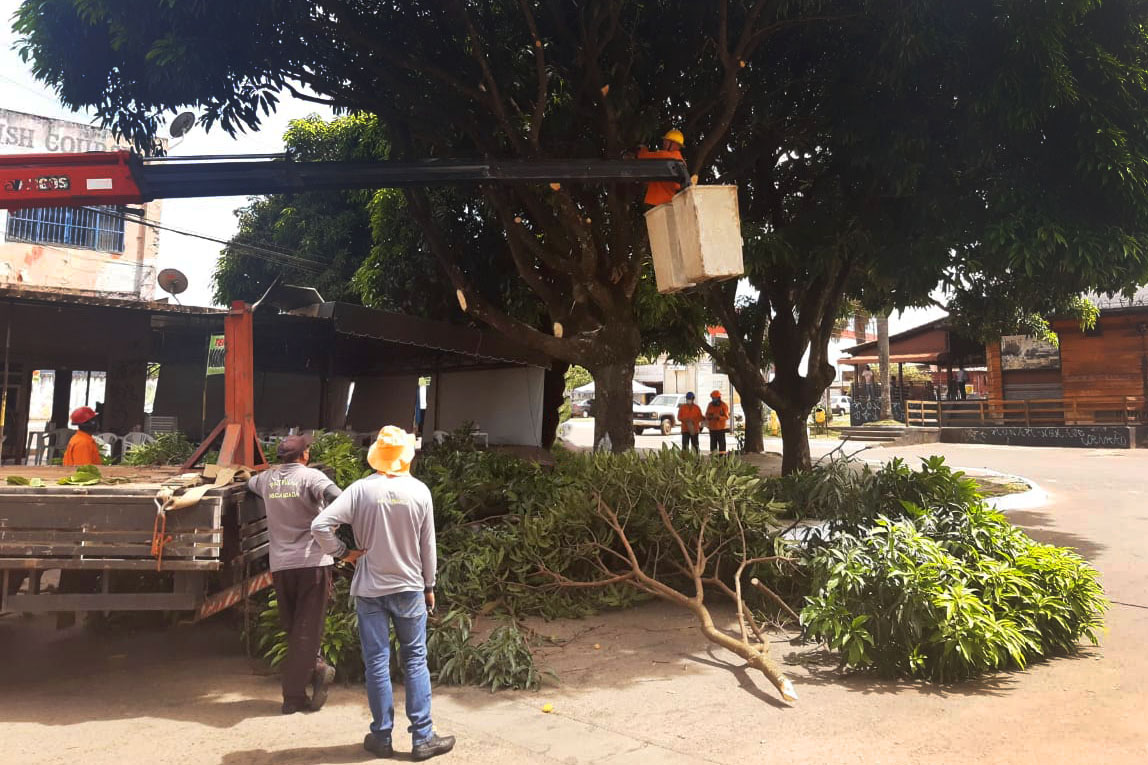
(507, 78)
(1000, 153)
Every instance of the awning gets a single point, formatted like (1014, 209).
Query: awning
(895, 358)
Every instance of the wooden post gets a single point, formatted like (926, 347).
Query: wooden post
(982, 412)
(240, 445)
(1027, 419)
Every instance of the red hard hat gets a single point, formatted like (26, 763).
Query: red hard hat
(82, 414)
(715, 394)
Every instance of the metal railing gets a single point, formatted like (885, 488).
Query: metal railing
(1085, 410)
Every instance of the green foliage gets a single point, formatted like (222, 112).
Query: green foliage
(503, 661)
(85, 475)
(166, 449)
(336, 451)
(19, 480)
(918, 577)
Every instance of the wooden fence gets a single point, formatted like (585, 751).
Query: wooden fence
(1098, 410)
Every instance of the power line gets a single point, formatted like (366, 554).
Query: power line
(273, 256)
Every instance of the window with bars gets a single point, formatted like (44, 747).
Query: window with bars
(88, 228)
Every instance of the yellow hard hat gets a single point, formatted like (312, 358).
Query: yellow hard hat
(676, 136)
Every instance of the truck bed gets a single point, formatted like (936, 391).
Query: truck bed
(107, 530)
(139, 479)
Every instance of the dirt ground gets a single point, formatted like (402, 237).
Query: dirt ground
(653, 690)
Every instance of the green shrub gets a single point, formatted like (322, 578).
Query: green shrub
(942, 590)
(338, 453)
(166, 449)
(502, 661)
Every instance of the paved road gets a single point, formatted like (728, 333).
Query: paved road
(653, 691)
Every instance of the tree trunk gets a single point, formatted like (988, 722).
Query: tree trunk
(754, 425)
(794, 439)
(614, 404)
(883, 361)
(553, 396)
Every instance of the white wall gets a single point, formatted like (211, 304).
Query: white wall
(506, 404)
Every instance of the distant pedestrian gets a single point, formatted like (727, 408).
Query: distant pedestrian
(393, 518)
(690, 419)
(717, 421)
(867, 381)
(962, 379)
(293, 494)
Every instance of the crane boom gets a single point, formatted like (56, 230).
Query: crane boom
(122, 177)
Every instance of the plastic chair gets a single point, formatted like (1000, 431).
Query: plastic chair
(107, 442)
(134, 440)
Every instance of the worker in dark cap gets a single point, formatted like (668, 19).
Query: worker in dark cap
(293, 495)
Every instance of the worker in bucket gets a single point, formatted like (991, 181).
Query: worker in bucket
(660, 192)
(293, 494)
(690, 419)
(82, 448)
(717, 421)
(393, 519)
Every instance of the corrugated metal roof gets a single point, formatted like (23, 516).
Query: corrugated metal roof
(345, 318)
(1120, 301)
(425, 333)
(99, 299)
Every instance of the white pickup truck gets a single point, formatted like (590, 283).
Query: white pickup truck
(661, 413)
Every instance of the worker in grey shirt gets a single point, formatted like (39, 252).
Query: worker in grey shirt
(293, 494)
(393, 519)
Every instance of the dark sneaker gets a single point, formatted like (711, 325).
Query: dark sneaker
(432, 747)
(377, 746)
(291, 706)
(320, 679)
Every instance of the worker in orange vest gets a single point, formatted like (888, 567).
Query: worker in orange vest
(690, 420)
(82, 448)
(717, 420)
(660, 192)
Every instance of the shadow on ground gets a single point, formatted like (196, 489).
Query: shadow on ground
(1040, 525)
(306, 755)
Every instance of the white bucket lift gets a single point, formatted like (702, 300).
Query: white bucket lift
(696, 237)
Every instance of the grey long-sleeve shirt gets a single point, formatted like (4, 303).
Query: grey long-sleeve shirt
(393, 521)
(293, 494)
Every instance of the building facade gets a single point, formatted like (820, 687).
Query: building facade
(88, 249)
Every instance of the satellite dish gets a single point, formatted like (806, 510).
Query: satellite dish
(172, 281)
(181, 125)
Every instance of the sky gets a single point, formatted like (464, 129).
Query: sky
(214, 216)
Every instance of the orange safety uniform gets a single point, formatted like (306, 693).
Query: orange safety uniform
(660, 192)
(717, 416)
(690, 417)
(82, 450)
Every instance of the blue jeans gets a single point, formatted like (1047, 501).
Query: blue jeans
(408, 612)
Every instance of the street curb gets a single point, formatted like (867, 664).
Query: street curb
(1026, 500)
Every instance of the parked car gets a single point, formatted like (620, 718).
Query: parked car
(582, 408)
(661, 413)
(840, 404)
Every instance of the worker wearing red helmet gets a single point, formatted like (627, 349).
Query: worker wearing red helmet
(717, 420)
(82, 448)
(660, 192)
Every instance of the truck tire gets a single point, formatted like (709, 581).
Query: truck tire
(667, 426)
(638, 431)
